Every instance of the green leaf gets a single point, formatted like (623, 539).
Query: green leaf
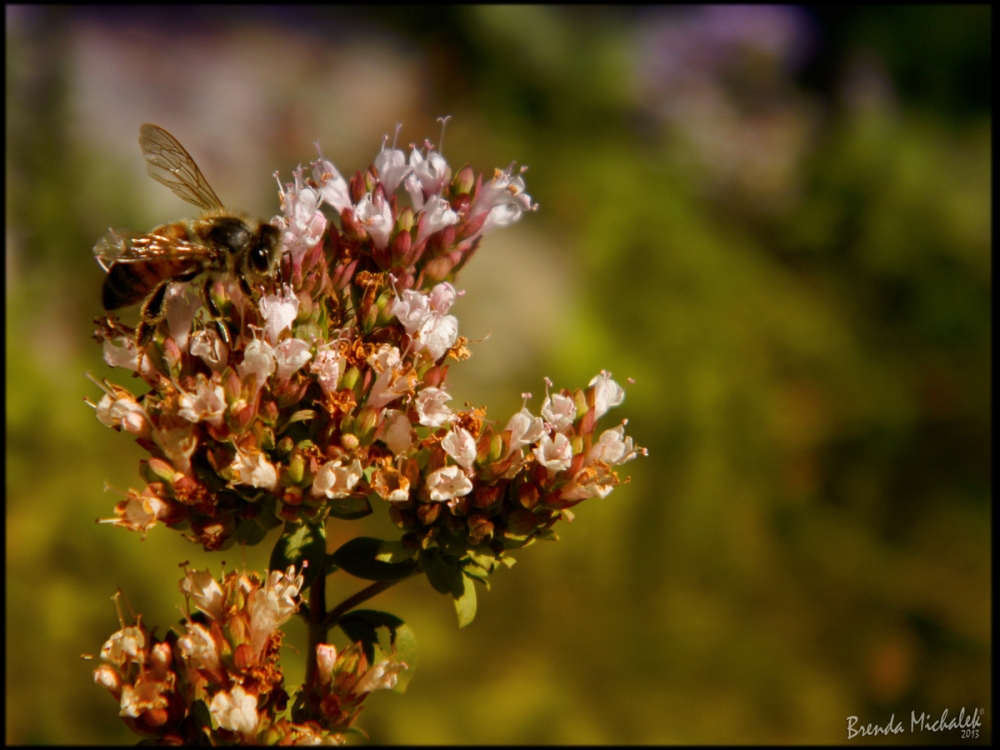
(465, 605)
(200, 713)
(250, 532)
(394, 552)
(300, 543)
(267, 518)
(350, 508)
(359, 558)
(445, 578)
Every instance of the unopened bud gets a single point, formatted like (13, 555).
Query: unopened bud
(243, 656)
(464, 181)
(368, 319)
(162, 470)
(400, 248)
(155, 717)
(365, 424)
(231, 385)
(305, 307)
(351, 378)
(284, 446)
(349, 441)
(521, 522)
(401, 519)
(428, 513)
(480, 529)
(496, 448)
(527, 496)
(297, 468)
(385, 314)
(485, 496)
(268, 412)
(326, 658)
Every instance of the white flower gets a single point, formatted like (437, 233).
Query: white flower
(198, 647)
(122, 411)
(388, 385)
(290, 356)
(607, 393)
(207, 403)
(303, 223)
(439, 334)
(438, 214)
(272, 605)
(560, 411)
(279, 312)
(145, 695)
(423, 317)
(412, 308)
(182, 302)
(460, 445)
(431, 408)
(121, 355)
(554, 455)
(396, 432)
(139, 512)
(258, 358)
(390, 163)
(442, 297)
(588, 484)
(326, 367)
(205, 591)
(381, 676)
(332, 186)
(126, 644)
(236, 711)
(211, 348)
(612, 448)
(336, 481)
(504, 200)
(524, 429)
(448, 482)
(255, 470)
(178, 444)
(430, 175)
(375, 213)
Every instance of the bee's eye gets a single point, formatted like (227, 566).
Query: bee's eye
(259, 260)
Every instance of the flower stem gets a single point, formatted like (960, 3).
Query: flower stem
(364, 595)
(317, 615)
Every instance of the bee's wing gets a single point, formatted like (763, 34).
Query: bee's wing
(124, 246)
(171, 164)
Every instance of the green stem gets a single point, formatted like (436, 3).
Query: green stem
(317, 616)
(364, 595)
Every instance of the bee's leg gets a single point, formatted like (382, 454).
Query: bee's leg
(153, 311)
(223, 331)
(209, 299)
(220, 326)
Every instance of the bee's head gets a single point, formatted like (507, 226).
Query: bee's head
(264, 253)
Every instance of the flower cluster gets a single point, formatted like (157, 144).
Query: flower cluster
(217, 673)
(329, 392)
(323, 394)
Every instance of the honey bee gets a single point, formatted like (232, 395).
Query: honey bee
(221, 243)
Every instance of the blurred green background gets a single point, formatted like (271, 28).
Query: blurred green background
(776, 220)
